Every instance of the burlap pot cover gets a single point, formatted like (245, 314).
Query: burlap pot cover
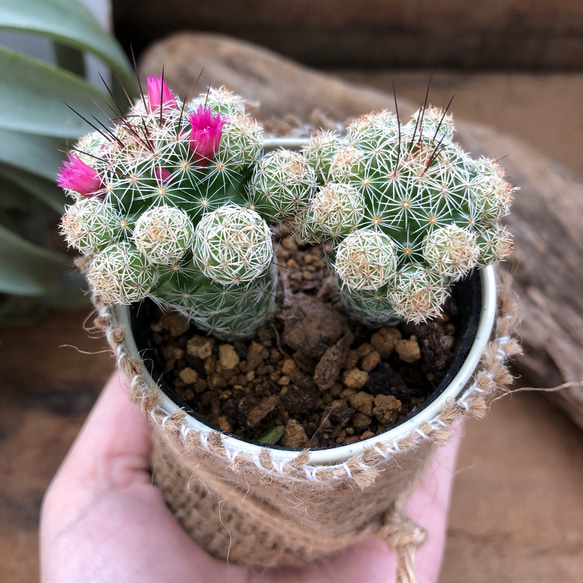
(263, 506)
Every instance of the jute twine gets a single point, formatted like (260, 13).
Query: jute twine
(256, 510)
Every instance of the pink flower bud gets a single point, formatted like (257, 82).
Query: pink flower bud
(79, 177)
(205, 136)
(159, 94)
(162, 175)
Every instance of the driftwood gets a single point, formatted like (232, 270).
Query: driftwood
(547, 216)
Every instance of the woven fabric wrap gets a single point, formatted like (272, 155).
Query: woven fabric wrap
(256, 511)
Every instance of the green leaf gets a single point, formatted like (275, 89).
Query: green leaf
(44, 190)
(38, 155)
(34, 95)
(68, 22)
(26, 269)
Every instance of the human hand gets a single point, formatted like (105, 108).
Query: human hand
(103, 519)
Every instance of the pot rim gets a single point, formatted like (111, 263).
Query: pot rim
(340, 454)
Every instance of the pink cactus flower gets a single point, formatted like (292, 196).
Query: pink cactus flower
(205, 136)
(78, 176)
(162, 175)
(159, 94)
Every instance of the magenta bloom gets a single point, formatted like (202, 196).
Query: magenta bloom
(159, 94)
(80, 177)
(205, 136)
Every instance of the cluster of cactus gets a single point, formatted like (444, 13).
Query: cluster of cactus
(174, 203)
(161, 208)
(408, 212)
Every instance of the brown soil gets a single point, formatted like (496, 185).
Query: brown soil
(311, 378)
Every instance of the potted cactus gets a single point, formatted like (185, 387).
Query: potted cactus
(185, 203)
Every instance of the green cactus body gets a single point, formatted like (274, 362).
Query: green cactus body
(282, 185)
(174, 204)
(437, 207)
(149, 183)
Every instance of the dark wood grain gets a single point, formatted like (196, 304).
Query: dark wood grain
(499, 34)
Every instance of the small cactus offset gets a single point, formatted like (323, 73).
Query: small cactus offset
(407, 210)
(174, 202)
(161, 206)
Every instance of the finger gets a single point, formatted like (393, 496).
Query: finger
(429, 506)
(112, 450)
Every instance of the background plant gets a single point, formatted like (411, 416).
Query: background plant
(34, 125)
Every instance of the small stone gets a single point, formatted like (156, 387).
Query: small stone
(312, 326)
(370, 361)
(288, 366)
(228, 356)
(210, 364)
(256, 347)
(254, 359)
(283, 381)
(200, 386)
(301, 396)
(178, 353)
(351, 360)
(362, 402)
(289, 244)
(329, 367)
(384, 341)
(305, 362)
(217, 381)
(250, 375)
(224, 424)
(185, 394)
(363, 350)
(339, 413)
(188, 376)
(361, 421)
(354, 378)
(200, 346)
(294, 435)
(408, 350)
(347, 393)
(262, 410)
(177, 324)
(386, 409)
(366, 435)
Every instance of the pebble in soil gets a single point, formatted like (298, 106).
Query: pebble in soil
(310, 378)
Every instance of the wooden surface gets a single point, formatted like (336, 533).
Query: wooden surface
(47, 388)
(516, 514)
(498, 34)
